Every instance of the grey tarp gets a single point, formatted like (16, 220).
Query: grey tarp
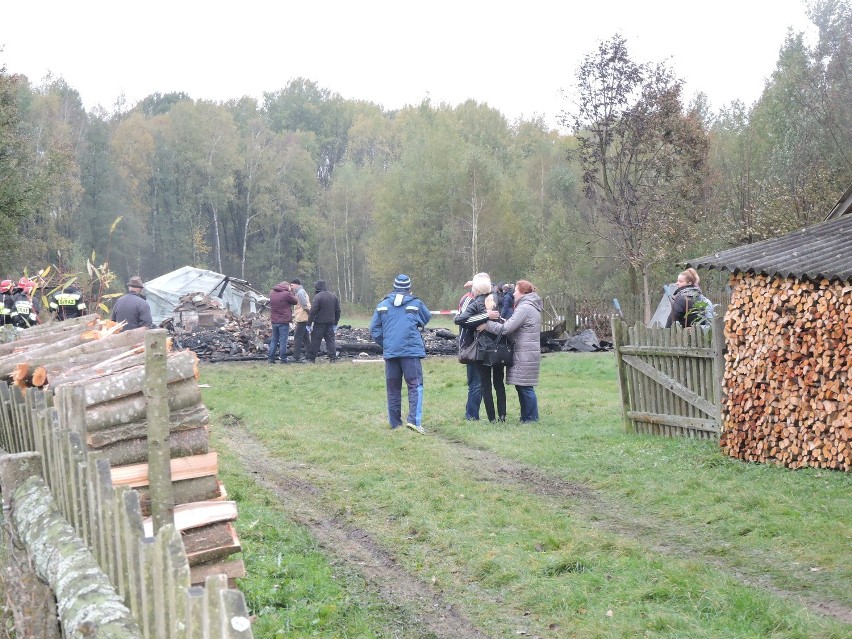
(664, 308)
(164, 292)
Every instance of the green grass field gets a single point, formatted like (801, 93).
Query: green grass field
(566, 528)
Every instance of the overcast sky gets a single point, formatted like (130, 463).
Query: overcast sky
(514, 56)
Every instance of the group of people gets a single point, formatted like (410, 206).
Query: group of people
(503, 310)
(313, 322)
(20, 306)
(517, 315)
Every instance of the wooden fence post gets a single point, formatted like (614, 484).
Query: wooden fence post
(719, 365)
(33, 603)
(617, 342)
(159, 453)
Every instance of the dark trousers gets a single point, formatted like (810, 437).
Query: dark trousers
(300, 341)
(528, 402)
(491, 379)
(323, 332)
(278, 341)
(411, 369)
(474, 393)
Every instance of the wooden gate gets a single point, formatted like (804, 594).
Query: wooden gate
(670, 378)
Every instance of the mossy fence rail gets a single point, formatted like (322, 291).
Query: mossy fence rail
(671, 378)
(78, 563)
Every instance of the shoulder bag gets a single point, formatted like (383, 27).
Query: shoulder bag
(468, 354)
(495, 350)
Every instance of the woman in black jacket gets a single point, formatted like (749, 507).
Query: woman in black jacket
(684, 298)
(471, 315)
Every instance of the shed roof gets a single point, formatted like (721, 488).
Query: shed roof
(820, 251)
(843, 206)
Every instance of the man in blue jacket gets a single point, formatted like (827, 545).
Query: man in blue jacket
(396, 325)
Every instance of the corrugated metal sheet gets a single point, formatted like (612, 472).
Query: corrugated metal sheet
(843, 206)
(816, 252)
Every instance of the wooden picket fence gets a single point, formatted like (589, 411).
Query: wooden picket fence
(670, 378)
(150, 575)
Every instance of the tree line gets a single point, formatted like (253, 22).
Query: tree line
(307, 183)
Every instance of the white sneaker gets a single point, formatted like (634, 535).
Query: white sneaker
(416, 427)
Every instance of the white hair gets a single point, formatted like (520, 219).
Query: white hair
(481, 284)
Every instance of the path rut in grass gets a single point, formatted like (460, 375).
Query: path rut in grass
(626, 521)
(302, 501)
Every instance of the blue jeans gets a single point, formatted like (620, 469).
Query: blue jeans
(409, 368)
(528, 402)
(278, 341)
(474, 392)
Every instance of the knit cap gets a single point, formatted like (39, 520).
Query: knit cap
(402, 282)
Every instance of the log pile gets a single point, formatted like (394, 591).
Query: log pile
(109, 365)
(787, 372)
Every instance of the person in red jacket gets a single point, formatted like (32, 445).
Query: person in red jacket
(281, 301)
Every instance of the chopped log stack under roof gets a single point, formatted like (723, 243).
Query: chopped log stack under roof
(788, 332)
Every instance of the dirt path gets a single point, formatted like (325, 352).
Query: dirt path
(357, 548)
(302, 502)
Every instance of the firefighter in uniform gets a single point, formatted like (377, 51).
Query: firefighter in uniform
(6, 303)
(67, 303)
(25, 306)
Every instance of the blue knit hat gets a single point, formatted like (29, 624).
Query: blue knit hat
(402, 282)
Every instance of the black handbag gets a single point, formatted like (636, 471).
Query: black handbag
(495, 350)
(468, 354)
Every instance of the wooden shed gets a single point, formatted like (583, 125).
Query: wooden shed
(788, 335)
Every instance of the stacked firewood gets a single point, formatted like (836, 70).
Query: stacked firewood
(109, 365)
(787, 373)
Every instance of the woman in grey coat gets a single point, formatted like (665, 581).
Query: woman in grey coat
(524, 327)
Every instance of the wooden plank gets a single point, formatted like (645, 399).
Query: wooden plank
(233, 569)
(198, 514)
(618, 338)
(706, 425)
(195, 609)
(76, 456)
(163, 595)
(214, 609)
(149, 599)
(235, 617)
(677, 351)
(131, 522)
(5, 418)
(182, 468)
(671, 384)
(177, 580)
(106, 521)
(719, 366)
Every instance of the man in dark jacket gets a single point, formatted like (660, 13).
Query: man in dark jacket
(281, 301)
(67, 303)
(132, 307)
(396, 325)
(25, 304)
(324, 316)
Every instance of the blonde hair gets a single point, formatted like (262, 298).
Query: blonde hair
(691, 276)
(490, 302)
(481, 284)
